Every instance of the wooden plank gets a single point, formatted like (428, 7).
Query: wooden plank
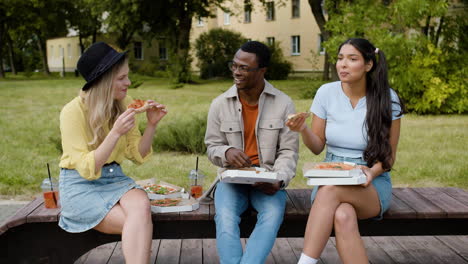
(399, 209)
(202, 213)
(376, 254)
(169, 251)
(154, 250)
(20, 217)
(42, 214)
(329, 254)
(296, 243)
(301, 200)
(454, 208)
(395, 250)
(457, 193)
(423, 207)
(101, 254)
(210, 254)
(166, 216)
(191, 251)
(290, 211)
(418, 251)
(282, 252)
(457, 243)
(117, 256)
(436, 250)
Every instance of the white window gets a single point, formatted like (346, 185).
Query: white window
(138, 50)
(247, 13)
(60, 51)
(270, 41)
(320, 47)
(69, 50)
(270, 15)
(162, 51)
(296, 45)
(200, 22)
(296, 9)
(227, 18)
(51, 51)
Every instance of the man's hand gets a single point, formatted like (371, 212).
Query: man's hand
(237, 158)
(268, 188)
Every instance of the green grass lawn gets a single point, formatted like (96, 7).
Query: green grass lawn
(431, 150)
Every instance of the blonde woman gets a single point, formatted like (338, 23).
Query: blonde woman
(98, 133)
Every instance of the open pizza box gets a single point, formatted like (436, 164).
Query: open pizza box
(331, 169)
(160, 190)
(333, 173)
(186, 203)
(247, 175)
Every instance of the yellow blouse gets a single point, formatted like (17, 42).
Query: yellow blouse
(76, 134)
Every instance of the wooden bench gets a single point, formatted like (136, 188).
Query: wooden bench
(33, 236)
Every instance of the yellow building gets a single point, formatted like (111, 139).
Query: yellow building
(65, 52)
(290, 24)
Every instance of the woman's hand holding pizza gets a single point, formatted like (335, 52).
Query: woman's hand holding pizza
(155, 113)
(296, 122)
(125, 122)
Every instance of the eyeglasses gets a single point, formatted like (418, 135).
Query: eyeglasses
(242, 68)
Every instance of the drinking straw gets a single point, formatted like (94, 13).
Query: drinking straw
(196, 170)
(51, 187)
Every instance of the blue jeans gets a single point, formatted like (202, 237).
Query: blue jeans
(231, 200)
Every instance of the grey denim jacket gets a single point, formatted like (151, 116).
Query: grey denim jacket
(277, 145)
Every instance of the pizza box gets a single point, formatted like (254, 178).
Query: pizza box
(248, 176)
(355, 180)
(176, 191)
(311, 169)
(186, 204)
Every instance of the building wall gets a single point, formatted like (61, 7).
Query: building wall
(67, 51)
(282, 28)
(63, 52)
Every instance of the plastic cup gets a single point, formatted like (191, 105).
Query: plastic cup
(196, 183)
(51, 197)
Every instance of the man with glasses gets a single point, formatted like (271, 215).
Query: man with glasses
(246, 128)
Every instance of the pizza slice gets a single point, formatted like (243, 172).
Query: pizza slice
(165, 202)
(333, 166)
(140, 106)
(294, 117)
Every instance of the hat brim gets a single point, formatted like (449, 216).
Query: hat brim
(104, 69)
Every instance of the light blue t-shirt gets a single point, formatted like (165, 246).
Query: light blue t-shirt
(345, 131)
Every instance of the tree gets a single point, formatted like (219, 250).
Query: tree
(80, 17)
(173, 19)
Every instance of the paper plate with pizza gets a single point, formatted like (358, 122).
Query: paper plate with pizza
(161, 190)
(331, 169)
(247, 175)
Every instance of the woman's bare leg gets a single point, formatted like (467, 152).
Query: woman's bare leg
(348, 239)
(113, 222)
(137, 231)
(322, 213)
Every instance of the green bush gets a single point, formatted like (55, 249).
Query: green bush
(182, 135)
(311, 89)
(214, 49)
(279, 67)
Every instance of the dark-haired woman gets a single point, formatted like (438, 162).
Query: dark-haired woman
(98, 133)
(358, 119)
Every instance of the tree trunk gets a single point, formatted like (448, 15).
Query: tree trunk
(82, 48)
(439, 30)
(317, 11)
(2, 71)
(183, 47)
(40, 45)
(11, 54)
(426, 28)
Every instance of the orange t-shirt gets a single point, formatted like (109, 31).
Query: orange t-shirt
(249, 116)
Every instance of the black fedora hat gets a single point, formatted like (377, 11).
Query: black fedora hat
(97, 60)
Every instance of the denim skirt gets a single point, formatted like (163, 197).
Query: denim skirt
(382, 183)
(85, 203)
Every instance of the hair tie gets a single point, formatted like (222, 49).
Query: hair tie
(376, 50)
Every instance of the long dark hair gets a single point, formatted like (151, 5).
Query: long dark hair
(379, 104)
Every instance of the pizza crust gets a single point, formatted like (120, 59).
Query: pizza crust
(294, 117)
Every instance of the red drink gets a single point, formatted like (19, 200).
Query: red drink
(196, 191)
(51, 199)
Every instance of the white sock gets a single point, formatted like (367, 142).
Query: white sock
(306, 259)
